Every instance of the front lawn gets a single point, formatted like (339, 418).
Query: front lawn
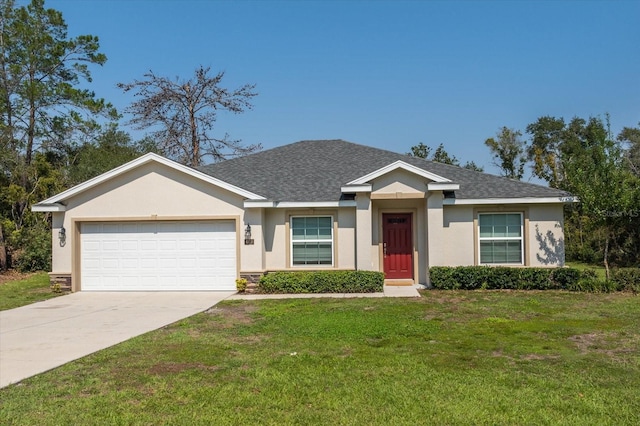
(23, 289)
(450, 357)
(599, 270)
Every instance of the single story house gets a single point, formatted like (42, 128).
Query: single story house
(154, 224)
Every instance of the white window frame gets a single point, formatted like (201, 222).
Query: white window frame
(521, 238)
(319, 240)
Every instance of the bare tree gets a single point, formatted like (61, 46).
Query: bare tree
(183, 114)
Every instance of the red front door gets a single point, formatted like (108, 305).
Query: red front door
(397, 246)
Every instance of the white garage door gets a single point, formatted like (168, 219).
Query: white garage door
(151, 256)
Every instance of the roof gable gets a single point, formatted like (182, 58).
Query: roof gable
(53, 203)
(395, 166)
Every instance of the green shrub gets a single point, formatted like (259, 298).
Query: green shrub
(565, 277)
(34, 252)
(442, 278)
(322, 282)
(536, 279)
(627, 279)
(593, 285)
(241, 285)
(501, 277)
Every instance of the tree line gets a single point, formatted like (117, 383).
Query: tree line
(584, 158)
(55, 134)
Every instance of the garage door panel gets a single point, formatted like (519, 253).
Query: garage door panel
(181, 255)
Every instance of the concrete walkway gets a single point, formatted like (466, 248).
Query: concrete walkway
(38, 337)
(388, 291)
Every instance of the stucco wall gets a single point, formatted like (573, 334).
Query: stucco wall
(277, 238)
(546, 235)
(154, 191)
(458, 242)
(399, 181)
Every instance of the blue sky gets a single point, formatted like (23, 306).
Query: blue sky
(389, 74)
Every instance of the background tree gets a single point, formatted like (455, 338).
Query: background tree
(508, 151)
(42, 111)
(421, 151)
(583, 158)
(631, 137)
(184, 114)
(606, 188)
(544, 149)
(440, 155)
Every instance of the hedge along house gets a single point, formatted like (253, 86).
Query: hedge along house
(153, 224)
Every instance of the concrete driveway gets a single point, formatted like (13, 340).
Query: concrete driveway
(38, 337)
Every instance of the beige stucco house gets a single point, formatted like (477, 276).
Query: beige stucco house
(153, 224)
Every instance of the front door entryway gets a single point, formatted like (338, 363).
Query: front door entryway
(397, 246)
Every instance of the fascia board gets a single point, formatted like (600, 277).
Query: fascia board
(41, 207)
(398, 165)
(248, 204)
(350, 189)
(524, 200)
(443, 186)
(139, 162)
(315, 204)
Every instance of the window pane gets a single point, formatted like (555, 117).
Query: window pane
(513, 219)
(324, 253)
(486, 252)
(486, 231)
(311, 234)
(304, 229)
(485, 220)
(514, 252)
(513, 231)
(324, 233)
(500, 252)
(324, 222)
(499, 231)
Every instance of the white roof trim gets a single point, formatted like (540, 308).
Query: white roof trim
(314, 204)
(349, 189)
(398, 165)
(297, 204)
(147, 158)
(527, 200)
(443, 186)
(258, 204)
(40, 207)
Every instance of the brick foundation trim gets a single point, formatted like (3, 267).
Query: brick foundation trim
(60, 281)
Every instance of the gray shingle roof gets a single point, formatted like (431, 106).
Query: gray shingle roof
(316, 170)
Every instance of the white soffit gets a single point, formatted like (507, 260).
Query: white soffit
(298, 204)
(531, 200)
(147, 158)
(443, 186)
(349, 189)
(398, 165)
(40, 207)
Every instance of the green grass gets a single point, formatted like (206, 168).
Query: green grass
(599, 269)
(450, 357)
(25, 291)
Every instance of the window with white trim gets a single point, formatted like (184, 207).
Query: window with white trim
(500, 236)
(311, 240)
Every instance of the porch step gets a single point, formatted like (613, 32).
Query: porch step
(398, 283)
